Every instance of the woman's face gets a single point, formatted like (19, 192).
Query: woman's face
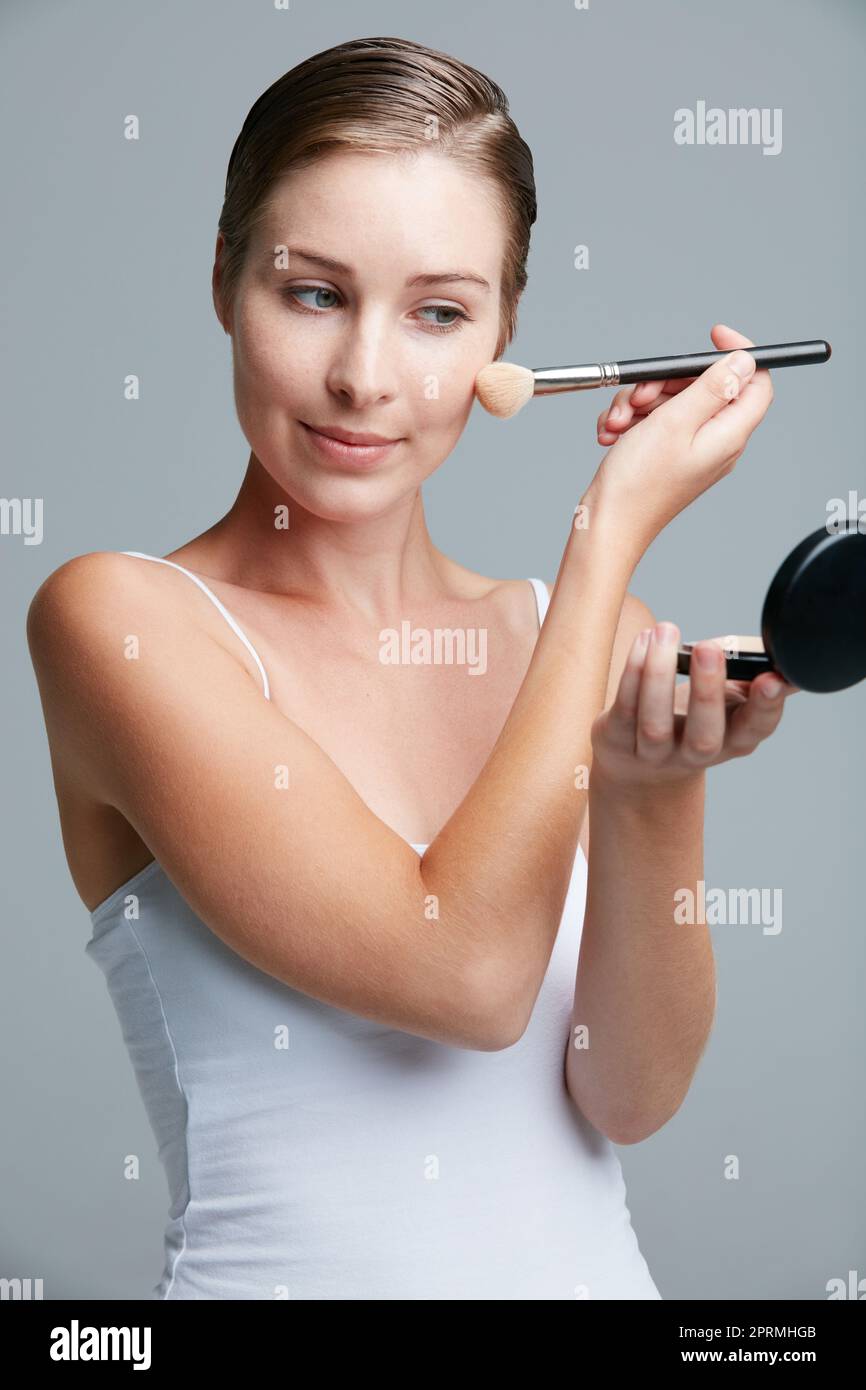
(361, 349)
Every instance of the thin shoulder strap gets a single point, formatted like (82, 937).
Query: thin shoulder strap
(233, 624)
(542, 598)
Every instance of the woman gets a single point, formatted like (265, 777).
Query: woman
(341, 923)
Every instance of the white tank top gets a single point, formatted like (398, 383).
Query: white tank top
(312, 1153)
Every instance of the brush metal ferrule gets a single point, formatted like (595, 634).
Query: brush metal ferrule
(551, 379)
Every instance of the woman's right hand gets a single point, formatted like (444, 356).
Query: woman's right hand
(678, 437)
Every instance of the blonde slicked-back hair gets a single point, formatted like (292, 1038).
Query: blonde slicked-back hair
(381, 96)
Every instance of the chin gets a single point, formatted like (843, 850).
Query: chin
(347, 497)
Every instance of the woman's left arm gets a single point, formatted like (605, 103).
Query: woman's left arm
(645, 991)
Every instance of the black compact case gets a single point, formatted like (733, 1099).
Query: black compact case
(813, 623)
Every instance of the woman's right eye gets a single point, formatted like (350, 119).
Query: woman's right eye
(296, 290)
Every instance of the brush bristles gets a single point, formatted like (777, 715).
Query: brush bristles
(503, 388)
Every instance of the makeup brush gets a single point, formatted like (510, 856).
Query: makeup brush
(503, 388)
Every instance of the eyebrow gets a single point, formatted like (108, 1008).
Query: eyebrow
(429, 278)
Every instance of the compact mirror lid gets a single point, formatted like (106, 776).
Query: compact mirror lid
(813, 623)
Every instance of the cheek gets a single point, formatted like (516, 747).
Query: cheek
(444, 387)
(269, 364)
(441, 420)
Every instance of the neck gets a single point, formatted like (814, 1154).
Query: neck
(371, 566)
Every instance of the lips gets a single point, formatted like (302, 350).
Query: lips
(349, 453)
(349, 437)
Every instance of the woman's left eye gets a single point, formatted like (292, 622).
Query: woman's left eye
(460, 314)
(443, 309)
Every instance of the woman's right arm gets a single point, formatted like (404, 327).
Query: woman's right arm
(271, 845)
(269, 842)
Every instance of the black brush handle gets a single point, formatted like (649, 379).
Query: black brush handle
(768, 355)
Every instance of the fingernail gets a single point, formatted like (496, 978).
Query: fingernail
(664, 633)
(614, 413)
(742, 363)
(771, 688)
(708, 658)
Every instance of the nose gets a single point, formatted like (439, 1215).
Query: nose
(362, 370)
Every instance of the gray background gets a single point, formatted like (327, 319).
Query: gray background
(107, 270)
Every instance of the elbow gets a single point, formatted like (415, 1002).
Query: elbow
(492, 1028)
(633, 1133)
(502, 1032)
(626, 1123)
(500, 1020)
(634, 1129)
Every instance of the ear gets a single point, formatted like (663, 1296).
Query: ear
(216, 283)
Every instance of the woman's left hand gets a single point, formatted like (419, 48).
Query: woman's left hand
(659, 732)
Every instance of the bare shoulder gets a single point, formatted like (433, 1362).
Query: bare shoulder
(94, 600)
(80, 621)
(74, 606)
(511, 602)
(86, 608)
(74, 591)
